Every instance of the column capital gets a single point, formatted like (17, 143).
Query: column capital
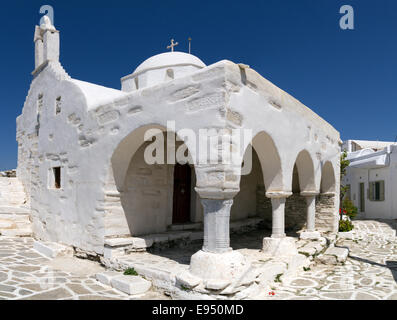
(278, 194)
(216, 194)
(331, 193)
(309, 193)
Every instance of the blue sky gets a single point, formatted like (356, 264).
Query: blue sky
(346, 76)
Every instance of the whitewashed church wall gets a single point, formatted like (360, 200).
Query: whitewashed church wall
(148, 194)
(245, 203)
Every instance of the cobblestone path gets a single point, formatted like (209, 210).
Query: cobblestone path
(370, 271)
(25, 274)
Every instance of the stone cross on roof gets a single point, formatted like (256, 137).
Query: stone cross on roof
(172, 45)
(47, 24)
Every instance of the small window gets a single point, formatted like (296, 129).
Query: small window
(377, 191)
(58, 106)
(57, 177)
(169, 74)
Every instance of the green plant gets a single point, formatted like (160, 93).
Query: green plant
(343, 165)
(306, 269)
(349, 209)
(277, 279)
(345, 225)
(130, 272)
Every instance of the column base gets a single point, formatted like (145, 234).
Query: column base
(310, 235)
(279, 247)
(218, 266)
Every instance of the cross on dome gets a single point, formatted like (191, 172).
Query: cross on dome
(172, 45)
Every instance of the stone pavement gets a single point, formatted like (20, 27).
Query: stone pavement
(25, 274)
(370, 271)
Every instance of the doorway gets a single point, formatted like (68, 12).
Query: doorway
(181, 197)
(362, 197)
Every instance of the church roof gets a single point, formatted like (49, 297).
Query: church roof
(97, 95)
(170, 59)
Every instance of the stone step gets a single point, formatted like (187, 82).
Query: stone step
(14, 210)
(186, 226)
(129, 284)
(52, 249)
(25, 232)
(12, 192)
(334, 255)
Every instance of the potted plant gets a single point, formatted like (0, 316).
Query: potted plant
(347, 209)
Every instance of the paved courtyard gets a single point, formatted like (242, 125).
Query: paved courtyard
(25, 274)
(369, 273)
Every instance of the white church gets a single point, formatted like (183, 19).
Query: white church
(81, 158)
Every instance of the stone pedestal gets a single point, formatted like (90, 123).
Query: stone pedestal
(227, 266)
(217, 261)
(279, 247)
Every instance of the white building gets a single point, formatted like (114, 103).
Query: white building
(81, 156)
(372, 177)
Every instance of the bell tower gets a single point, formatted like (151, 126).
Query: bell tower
(46, 39)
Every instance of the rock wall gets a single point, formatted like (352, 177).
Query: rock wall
(295, 211)
(326, 213)
(264, 206)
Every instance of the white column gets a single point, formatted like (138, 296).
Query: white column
(310, 232)
(278, 244)
(278, 217)
(278, 212)
(311, 213)
(216, 225)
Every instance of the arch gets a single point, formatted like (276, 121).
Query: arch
(144, 201)
(250, 201)
(123, 153)
(270, 161)
(328, 181)
(305, 169)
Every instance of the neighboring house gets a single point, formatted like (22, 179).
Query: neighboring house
(372, 177)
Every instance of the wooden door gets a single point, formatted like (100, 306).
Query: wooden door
(362, 197)
(181, 206)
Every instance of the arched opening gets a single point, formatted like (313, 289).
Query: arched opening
(152, 197)
(327, 178)
(251, 202)
(302, 181)
(325, 201)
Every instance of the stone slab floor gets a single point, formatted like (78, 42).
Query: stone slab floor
(369, 273)
(25, 274)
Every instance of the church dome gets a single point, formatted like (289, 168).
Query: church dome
(169, 59)
(161, 68)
